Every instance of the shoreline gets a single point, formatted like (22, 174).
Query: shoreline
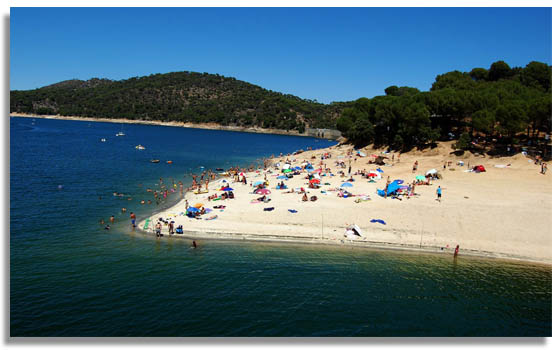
(243, 226)
(279, 239)
(204, 126)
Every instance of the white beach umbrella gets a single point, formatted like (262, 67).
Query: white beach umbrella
(356, 229)
(431, 172)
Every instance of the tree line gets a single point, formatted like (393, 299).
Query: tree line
(179, 96)
(500, 103)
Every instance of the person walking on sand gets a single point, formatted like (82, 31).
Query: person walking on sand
(438, 192)
(415, 166)
(133, 219)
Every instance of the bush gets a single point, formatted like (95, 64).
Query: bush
(463, 142)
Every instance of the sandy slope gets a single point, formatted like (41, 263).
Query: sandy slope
(502, 212)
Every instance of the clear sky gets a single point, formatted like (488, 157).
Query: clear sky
(328, 54)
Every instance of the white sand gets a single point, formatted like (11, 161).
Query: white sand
(508, 212)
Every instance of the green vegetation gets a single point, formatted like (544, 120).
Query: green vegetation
(500, 103)
(181, 96)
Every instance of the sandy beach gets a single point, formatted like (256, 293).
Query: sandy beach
(505, 212)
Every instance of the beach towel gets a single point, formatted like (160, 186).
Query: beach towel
(378, 220)
(146, 224)
(269, 209)
(212, 217)
(292, 210)
(379, 169)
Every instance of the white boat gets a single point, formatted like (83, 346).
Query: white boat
(140, 147)
(103, 140)
(120, 133)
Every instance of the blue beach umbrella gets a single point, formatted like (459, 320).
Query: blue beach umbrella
(346, 184)
(297, 168)
(193, 210)
(228, 189)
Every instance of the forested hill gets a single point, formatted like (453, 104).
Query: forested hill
(180, 96)
(499, 102)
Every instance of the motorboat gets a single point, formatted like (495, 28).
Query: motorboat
(154, 160)
(140, 147)
(120, 133)
(103, 140)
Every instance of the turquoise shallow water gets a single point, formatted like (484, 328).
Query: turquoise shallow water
(69, 277)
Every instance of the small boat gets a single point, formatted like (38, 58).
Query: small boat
(169, 162)
(103, 140)
(120, 133)
(140, 147)
(154, 160)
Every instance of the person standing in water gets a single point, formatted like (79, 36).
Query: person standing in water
(456, 251)
(133, 219)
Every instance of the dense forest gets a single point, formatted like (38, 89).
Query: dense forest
(500, 103)
(503, 104)
(180, 96)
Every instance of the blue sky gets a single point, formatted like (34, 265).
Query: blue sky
(327, 54)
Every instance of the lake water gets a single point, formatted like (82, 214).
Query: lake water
(70, 277)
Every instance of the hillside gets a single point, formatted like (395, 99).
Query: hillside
(179, 96)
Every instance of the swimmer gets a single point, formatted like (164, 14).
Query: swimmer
(129, 198)
(149, 201)
(102, 222)
(112, 219)
(107, 227)
(123, 210)
(142, 202)
(194, 244)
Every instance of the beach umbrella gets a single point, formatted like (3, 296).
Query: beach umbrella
(263, 191)
(227, 189)
(346, 184)
(431, 172)
(256, 183)
(198, 205)
(356, 229)
(242, 174)
(362, 154)
(315, 181)
(379, 169)
(297, 168)
(420, 177)
(286, 166)
(193, 210)
(287, 170)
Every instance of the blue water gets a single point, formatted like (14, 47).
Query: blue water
(69, 277)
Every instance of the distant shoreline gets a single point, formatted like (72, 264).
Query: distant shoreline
(207, 126)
